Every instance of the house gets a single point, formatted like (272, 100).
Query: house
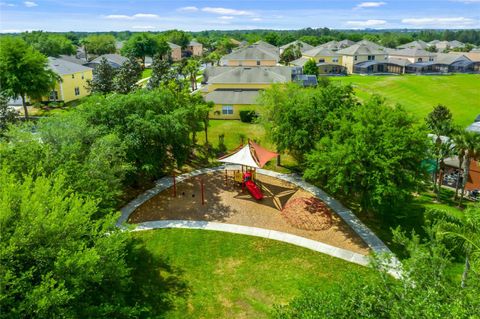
(195, 48)
(257, 54)
(473, 55)
(345, 44)
(418, 44)
(115, 60)
(412, 55)
(328, 61)
(361, 52)
(175, 51)
(302, 45)
(458, 63)
(73, 83)
(73, 59)
(236, 88)
(446, 45)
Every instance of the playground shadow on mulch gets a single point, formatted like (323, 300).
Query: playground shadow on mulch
(274, 196)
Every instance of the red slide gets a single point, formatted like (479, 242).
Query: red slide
(251, 186)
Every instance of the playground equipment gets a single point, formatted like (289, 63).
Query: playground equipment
(251, 156)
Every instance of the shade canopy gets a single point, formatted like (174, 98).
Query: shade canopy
(252, 155)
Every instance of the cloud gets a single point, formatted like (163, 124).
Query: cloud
(226, 11)
(366, 23)
(187, 9)
(370, 5)
(5, 4)
(226, 17)
(256, 19)
(30, 4)
(143, 27)
(435, 21)
(135, 16)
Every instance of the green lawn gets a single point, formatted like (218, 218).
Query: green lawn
(419, 94)
(237, 276)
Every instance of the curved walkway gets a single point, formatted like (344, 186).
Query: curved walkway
(259, 232)
(358, 227)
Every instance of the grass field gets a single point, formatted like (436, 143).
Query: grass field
(237, 276)
(419, 94)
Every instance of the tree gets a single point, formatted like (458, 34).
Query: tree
(425, 290)
(160, 72)
(49, 44)
(291, 53)
(272, 38)
(24, 71)
(56, 260)
(373, 157)
(471, 151)
(127, 76)
(310, 67)
(191, 69)
(440, 123)
(7, 115)
(463, 232)
(141, 45)
(103, 78)
(295, 119)
(213, 58)
(99, 44)
(178, 37)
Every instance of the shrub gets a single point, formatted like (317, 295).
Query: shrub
(248, 116)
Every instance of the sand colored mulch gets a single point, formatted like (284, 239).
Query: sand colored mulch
(225, 202)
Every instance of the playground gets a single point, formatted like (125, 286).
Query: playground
(283, 207)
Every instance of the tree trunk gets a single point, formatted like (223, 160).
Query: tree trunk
(205, 124)
(435, 175)
(457, 186)
(466, 172)
(25, 109)
(439, 187)
(465, 272)
(194, 138)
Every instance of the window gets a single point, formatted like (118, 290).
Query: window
(73, 76)
(83, 77)
(258, 62)
(356, 58)
(371, 57)
(430, 59)
(227, 110)
(53, 95)
(321, 60)
(335, 60)
(419, 60)
(77, 91)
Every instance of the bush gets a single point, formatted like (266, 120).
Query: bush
(248, 116)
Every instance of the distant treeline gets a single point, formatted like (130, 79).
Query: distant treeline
(387, 38)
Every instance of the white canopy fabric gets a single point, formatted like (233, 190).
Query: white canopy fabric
(241, 157)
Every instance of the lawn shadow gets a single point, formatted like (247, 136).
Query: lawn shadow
(157, 283)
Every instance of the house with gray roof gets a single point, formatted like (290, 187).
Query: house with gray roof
(361, 52)
(115, 60)
(257, 54)
(303, 46)
(417, 44)
(412, 55)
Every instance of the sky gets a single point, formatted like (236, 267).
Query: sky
(158, 15)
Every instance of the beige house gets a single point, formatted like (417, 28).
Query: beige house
(445, 45)
(195, 48)
(176, 51)
(361, 52)
(233, 89)
(412, 55)
(257, 54)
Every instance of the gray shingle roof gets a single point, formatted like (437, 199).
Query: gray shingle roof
(345, 43)
(74, 59)
(300, 61)
(252, 52)
(411, 52)
(401, 62)
(62, 67)
(250, 75)
(371, 44)
(304, 46)
(332, 45)
(111, 58)
(320, 51)
(361, 49)
(233, 96)
(418, 44)
(173, 45)
(446, 58)
(194, 43)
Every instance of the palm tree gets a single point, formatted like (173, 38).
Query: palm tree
(459, 149)
(464, 233)
(471, 152)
